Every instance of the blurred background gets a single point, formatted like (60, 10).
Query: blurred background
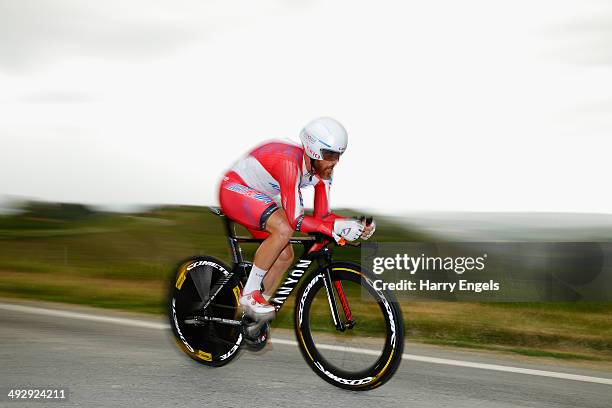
(467, 121)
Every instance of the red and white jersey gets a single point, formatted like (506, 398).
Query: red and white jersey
(278, 170)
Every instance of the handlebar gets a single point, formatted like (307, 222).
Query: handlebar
(321, 238)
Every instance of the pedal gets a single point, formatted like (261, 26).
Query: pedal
(255, 333)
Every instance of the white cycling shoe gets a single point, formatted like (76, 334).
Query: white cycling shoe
(256, 307)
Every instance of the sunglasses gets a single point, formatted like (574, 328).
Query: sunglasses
(329, 155)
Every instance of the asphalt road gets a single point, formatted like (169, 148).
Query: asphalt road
(117, 363)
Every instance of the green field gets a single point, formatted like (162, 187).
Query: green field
(69, 253)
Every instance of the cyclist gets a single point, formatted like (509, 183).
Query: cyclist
(279, 170)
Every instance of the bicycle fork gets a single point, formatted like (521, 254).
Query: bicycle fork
(333, 305)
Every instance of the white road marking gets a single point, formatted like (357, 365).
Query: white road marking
(161, 326)
(460, 363)
(84, 316)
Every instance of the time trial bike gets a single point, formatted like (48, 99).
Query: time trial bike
(350, 333)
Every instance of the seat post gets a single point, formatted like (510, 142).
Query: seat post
(229, 227)
(235, 249)
(230, 233)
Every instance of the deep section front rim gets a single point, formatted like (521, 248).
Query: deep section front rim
(372, 308)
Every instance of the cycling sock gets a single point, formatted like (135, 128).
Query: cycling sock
(255, 278)
(267, 297)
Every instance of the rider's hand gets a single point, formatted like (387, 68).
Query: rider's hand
(349, 229)
(368, 230)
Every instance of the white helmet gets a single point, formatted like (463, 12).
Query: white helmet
(323, 135)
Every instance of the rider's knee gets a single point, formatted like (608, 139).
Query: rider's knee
(279, 227)
(287, 255)
(284, 231)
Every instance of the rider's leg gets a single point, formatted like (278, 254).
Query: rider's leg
(268, 252)
(276, 271)
(261, 216)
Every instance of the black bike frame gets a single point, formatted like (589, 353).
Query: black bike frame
(320, 253)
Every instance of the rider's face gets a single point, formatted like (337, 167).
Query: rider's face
(325, 168)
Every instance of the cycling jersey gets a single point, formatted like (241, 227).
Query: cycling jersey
(275, 170)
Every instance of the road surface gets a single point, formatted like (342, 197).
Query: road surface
(109, 359)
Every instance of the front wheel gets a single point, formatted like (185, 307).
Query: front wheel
(368, 351)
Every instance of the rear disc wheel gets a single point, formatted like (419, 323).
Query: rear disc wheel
(212, 343)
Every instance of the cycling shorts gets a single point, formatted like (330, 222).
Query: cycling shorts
(245, 205)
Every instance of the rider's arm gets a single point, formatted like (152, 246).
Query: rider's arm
(291, 199)
(321, 207)
(321, 201)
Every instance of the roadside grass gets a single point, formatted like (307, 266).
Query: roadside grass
(137, 296)
(123, 261)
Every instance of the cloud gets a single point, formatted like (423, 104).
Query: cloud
(56, 97)
(34, 33)
(585, 40)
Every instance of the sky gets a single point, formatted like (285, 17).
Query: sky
(450, 106)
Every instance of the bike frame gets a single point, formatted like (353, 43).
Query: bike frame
(315, 249)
